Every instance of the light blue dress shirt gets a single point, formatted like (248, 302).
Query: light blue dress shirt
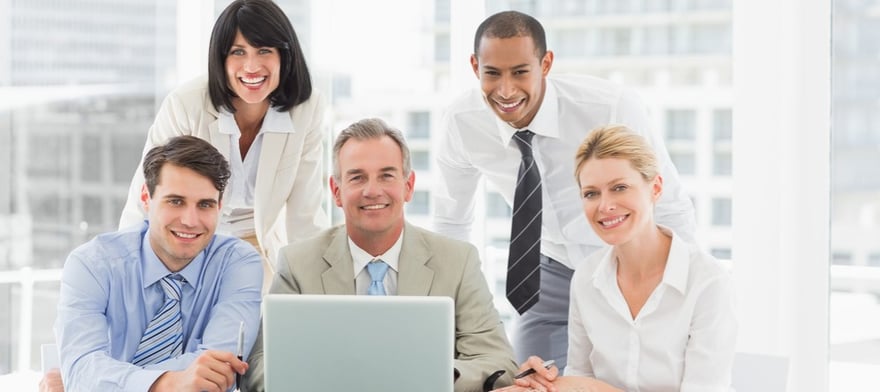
(110, 291)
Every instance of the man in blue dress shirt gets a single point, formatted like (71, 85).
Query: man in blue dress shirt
(158, 306)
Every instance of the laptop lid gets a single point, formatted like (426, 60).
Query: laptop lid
(363, 343)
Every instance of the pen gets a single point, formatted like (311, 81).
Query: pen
(239, 353)
(546, 365)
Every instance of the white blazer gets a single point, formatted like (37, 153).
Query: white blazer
(289, 188)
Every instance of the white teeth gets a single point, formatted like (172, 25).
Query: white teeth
(508, 106)
(253, 80)
(613, 221)
(374, 207)
(185, 235)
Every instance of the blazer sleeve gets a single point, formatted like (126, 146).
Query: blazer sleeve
(481, 345)
(170, 121)
(305, 214)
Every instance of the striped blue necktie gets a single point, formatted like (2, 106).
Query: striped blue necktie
(377, 270)
(163, 338)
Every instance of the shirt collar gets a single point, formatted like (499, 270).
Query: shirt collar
(274, 121)
(675, 274)
(545, 123)
(154, 270)
(361, 258)
(677, 263)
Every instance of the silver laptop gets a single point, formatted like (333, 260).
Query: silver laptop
(361, 343)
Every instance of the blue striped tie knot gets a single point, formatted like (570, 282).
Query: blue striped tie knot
(163, 338)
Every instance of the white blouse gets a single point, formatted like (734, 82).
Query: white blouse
(683, 338)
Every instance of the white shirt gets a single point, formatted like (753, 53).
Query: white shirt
(237, 218)
(683, 338)
(360, 258)
(475, 143)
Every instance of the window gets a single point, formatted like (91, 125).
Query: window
(684, 161)
(341, 87)
(441, 48)
(496, 207)
(421, 160)
(722, 125)
(721, 253)
(681, 125)
(419, 205)
(841, 258)
(721, 211)
(418, 125)
(722, 164)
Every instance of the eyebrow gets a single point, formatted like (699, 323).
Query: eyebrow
(383, 170)
(515, 67)
(613, 181)
(175, 196)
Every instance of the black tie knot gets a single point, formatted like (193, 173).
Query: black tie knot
(524, 142)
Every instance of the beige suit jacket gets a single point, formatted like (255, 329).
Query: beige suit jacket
(289, 185)
(430, 264)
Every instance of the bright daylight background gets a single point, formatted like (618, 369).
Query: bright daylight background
(776, 138)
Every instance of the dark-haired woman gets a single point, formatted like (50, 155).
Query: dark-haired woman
(258, 108)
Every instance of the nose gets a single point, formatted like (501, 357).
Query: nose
(251, 63)
(606, 204)
(189, 216)
(370, 189)
(506, 88)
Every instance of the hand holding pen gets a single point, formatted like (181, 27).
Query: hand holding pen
(536, 372)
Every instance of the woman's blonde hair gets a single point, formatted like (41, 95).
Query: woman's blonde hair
(617, 141)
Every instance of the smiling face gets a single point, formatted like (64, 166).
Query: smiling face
(617, 200)
(372, 190)
(512, 77)
(183, 212)
(252, 73)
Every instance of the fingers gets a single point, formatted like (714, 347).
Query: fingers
(215, 370)
(541, 379)
(51, 381)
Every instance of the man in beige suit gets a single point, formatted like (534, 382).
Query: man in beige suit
(372, 181)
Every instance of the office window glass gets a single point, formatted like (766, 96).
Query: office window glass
(681, 125)
(418, 125)
(684, 161)
(496, 207)
(420, 204)
(421, 160)
(721, 211)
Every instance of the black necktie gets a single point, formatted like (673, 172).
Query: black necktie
(523, 261)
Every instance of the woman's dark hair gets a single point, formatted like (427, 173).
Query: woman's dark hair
(190, 152)
(263, 24)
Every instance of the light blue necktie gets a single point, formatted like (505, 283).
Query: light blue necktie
(163, 338)
(377, 270)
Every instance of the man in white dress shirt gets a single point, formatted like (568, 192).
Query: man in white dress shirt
(512, 63)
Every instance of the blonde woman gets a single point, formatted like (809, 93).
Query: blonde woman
(651, 312)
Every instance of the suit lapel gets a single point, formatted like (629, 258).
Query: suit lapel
(414, 276)
(339, 278)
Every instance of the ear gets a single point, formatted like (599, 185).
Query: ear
(475, 65)
(410, 185)
(145, 198)
(334, 189)
(656, 188)
(546, 63)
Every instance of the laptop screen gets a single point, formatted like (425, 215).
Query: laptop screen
(363, 343)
